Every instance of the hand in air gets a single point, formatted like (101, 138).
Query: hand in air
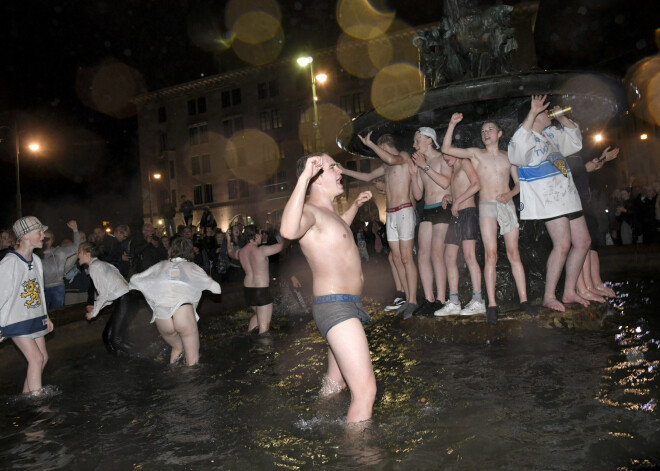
(366, 140)
(609, 154)
(73, 225)
(539, 104)
(456, 118)
(313, 166)
(363, 198)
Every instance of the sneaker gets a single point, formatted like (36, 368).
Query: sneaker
(449, 309)
(408, 311)
(400, 309)
(396, 304)
(474, 307)
(427, 308)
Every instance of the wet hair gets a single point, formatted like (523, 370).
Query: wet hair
(490, 121)
(386, 139)
(181, 247)
(302, 161)
(250, 233)
(91, 248)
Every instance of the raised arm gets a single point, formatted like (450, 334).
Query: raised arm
(350, 213)
(365, 177)
(269, 250)
(448, 147)
(295, 221)
(537, 106)
(597, 163)
(438, 178)
(385, 156)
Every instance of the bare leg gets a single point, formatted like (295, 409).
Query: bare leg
(595, 276)
(406, 247)
(351, 351)
(397, 282)
(559, 231)
(438, 260)
(34, 351)
(186, 327)
(488, 228)
(580, 242)
(264, 315)
(517, 269)
(451, 254)
(584, 284)
(470, 256)
(168, 332)
(400, 267)
(425, 236)
(333, 382)
(254, 321)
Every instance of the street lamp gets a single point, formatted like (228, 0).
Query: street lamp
(33, 147)
(151, 206)
(304, 61)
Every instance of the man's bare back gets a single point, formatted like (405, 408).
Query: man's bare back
(255, 264)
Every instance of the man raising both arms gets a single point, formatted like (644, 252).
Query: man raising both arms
(327, 242)
(431, 183)
(400, 222)
(495, 207)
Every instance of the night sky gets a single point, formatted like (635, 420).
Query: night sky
(87, 169)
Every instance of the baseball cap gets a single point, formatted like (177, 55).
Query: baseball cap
(27, 224)
(429, 132)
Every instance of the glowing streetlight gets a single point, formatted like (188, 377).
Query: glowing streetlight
(156, 176)
(598, 137)
(644, 137)
(309, 61)
(33, 147)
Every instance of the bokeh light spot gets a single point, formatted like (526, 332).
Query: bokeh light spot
(252, 156)
(235, 9)
(353, 56)
(331, 120)
(643, 79)
(255, 27)
(361, 20)
(397, 91)
(262, 53)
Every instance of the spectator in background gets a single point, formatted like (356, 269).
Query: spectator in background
(6, 242)
(110, 246)
(187, 208)
(625, 215)
(207, 220)
(169, 211)
(54, 261)
(146, 249)
(644, 205)
(221, 257)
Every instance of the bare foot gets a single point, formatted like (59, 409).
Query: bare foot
(329, 387)
(574, 298)
(553, 304)
(609, 292)
(591, 296)
(175, 356)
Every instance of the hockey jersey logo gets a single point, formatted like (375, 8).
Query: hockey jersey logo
(32, 292)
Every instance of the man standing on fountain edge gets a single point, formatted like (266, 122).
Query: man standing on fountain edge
(328, 245)
(547, 192)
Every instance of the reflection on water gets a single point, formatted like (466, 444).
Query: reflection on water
(557, 399)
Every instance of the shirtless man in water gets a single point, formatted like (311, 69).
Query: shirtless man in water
(327, 242)
(495, 207)
(431, 179)
(400, 220)
(254, 260)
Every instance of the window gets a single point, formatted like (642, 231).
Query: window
(304, 114)
(208, 192)
(162, 114)
(306, 142)
(268, 89)
(198, 134)
(230, 97)
(351, 165)
(197, 106)
(232, 125)
(206, 163)
(173, 200)
(270, 120)
(358, 103)
(237, 189)
(197, 194)
(276, 183)
(162, 142)
(195, 169)
(352, 104)
(171, 169)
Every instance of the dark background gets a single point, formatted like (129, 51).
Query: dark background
(58, 56)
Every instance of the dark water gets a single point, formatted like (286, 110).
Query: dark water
(557, 399)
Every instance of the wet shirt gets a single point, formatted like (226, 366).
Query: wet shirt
(22, 304)
(108, 282)
(544, 191)
(171, 283)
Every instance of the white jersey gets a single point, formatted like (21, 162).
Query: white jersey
(544, 191)
(22, 304)
(108, 282)
(171, 283)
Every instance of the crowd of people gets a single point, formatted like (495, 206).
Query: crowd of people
(468, 198)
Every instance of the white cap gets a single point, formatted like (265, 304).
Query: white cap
(429, 132)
